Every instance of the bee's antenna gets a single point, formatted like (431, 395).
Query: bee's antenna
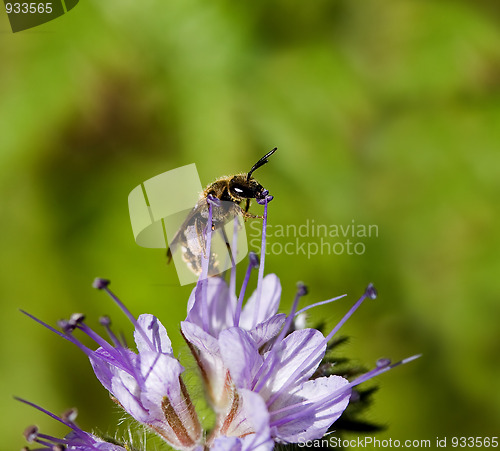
(261, 162)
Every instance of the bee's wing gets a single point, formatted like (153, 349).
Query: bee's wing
(196, 222)
(190, 219)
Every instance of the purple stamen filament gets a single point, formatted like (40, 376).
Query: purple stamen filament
(271, 360)
(346, 317)
(130, 317)
(307, 407)
(49, 440)
(39, 321)
(239, 306)
(116, 341)
(116, 355)
(97, 338)
(262, 260)
(234, 252)
(317, 304)
(317, 352)
(69, 424)
(205, 260)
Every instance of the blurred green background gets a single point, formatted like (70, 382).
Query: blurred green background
(384, 112)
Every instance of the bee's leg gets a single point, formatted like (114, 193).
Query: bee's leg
(226, 239)
(229, 250)
(249, 215)
(245, 213)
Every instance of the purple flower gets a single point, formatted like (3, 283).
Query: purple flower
(147, 384)
(281, 378)
(77, 439)
(245, 428)
(223, 313)
(252, 350)
(259, 370)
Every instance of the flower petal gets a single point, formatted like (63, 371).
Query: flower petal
(312, 424)
(240, 355)
(220, 305)
(210, 361)
(257, 414)
(203, 341)
(83, 441)
(101, 369)
(106, 365)
(227, 444)
(268, 305)
(299, 355)
(126, 390)
(155, 332)
(268, 329)
(161, 379)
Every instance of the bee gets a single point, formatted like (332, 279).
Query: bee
(232, 191)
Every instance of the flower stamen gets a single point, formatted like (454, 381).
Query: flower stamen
(317, 304)
(102, 284)
(253, 263)
(262, 254)
(202, 283)
(271, 360)
(369, 292)
(306, 408)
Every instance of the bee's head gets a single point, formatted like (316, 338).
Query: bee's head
(244, 186)
(240, 188)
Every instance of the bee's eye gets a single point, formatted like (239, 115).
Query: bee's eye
(240, 191)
